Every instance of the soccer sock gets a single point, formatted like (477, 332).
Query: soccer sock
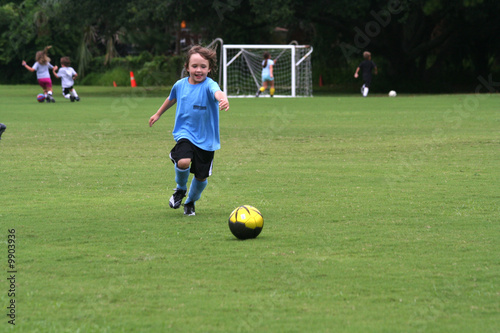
(181, 177)
(261, 89)
(271, 91)
(195, 190)
(73, 92)
(365, 92)
(67, 96)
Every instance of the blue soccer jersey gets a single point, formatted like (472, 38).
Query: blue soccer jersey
(266, 71)
(197, 114)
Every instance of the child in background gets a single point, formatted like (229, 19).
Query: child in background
(41, 67)
(67, 75)
(196, 128)
(366, 67)
(2, 129)
(267, 75)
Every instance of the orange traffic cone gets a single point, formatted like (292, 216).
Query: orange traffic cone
(114, 84)
(132, 80)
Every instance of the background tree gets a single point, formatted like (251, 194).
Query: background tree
(418, 44)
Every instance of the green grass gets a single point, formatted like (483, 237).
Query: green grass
(380, 215)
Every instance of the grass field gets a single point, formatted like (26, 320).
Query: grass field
(380, 215)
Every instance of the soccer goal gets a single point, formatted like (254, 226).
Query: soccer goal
(242, 68)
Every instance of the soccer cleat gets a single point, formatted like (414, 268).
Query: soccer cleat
(258, 93)
(176, 199)
(77, 99)
(50, 99)
(71, 98)
(362, 89)
(189, 209)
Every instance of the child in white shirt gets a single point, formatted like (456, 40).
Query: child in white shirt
(67, 75)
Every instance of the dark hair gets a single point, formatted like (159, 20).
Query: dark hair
(65, 61)
(266, 57)
(207, 54)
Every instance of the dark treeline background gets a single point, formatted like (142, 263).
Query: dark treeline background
(418, 45)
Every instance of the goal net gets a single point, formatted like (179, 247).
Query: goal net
(242, 68)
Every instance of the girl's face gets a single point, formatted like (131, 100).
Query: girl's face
(198, 69)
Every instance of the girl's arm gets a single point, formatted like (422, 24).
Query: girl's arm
(164, 107)
(54, 69)
(221, 97)
(271, 71)
(31, 69)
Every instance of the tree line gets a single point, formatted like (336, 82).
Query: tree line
(417, 44)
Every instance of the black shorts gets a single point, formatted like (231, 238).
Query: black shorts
(67, 90)
(201, 160)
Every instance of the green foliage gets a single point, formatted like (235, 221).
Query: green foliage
(132, 62)
(16, 31)
(417, 41)
(119, 75)
(161, 71)
(148, 70)
(380, 215)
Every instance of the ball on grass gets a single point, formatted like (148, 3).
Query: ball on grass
(246, 222)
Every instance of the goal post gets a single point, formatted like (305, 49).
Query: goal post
(242, 68)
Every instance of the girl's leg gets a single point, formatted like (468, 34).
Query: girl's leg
(261, 89)
(48, 94)
(46, 85)
(182, 173)
(195, 190)
(181, 177)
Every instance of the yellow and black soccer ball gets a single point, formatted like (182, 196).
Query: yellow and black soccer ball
(246, 222)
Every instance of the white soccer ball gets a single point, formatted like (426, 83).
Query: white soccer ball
(392, 93)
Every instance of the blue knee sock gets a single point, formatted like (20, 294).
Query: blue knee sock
(195, 190)
(181, 177)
